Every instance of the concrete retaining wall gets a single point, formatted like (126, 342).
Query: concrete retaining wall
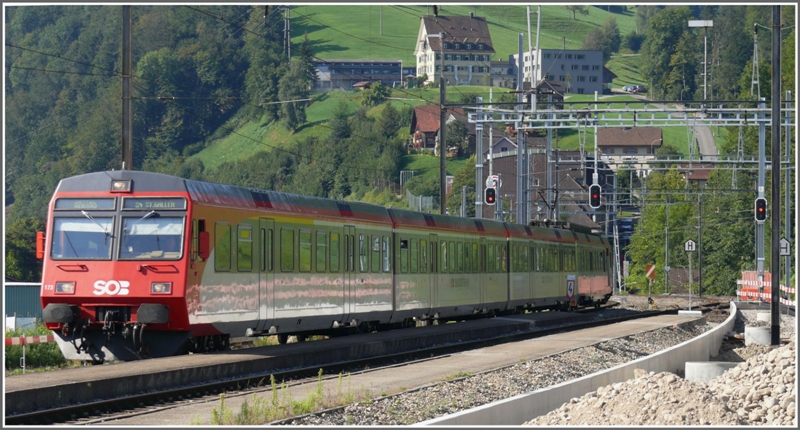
(525, 407)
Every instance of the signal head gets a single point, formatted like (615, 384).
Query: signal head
(761, 210)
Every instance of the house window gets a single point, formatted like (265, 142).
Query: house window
(535, 182)
(575, 67)
(580, 91)
(480, 46)
(580, 56)
(630, 150)
(595, 67)
(562, 67)
(561, 78)
(581, 78)
(569, 56)
(448, 57)
(547, 55)
(457, 46)
(438, 57)
(469, 46)
(592, 78)
(457, 57)
(585, 67)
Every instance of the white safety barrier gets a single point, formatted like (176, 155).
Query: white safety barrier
(525, 407)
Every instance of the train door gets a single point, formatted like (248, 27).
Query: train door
(349, 287)
(433, 255)
(266, 239)
(482, 277)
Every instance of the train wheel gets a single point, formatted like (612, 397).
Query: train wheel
(301, 337)
(283, 338)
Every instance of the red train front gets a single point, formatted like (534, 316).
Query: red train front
(115, 266)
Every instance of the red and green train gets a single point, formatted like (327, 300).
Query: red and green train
(140, 264)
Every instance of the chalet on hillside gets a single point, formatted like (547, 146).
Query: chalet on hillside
(630, 145)
(467, 48)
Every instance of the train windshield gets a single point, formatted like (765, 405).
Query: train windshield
(151, 238)
(82, 238)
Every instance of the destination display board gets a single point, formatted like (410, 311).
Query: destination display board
(158, 203)
(85, 203)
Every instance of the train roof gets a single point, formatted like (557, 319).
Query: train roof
(437, 222)
(237, 196)
(140, 181)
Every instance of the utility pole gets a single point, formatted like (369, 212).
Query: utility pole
(442, 126)
(287, 34)
(787, 208)
(666, 255)
(776, 175)
(479, 163)
(127, 71)
(700, 245)
(520, 140)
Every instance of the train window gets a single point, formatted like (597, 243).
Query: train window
(151, 238)
(269, 248)
(195, 241)
(503, 259)
(287, 250)
(491, 267)
(262, 236)
(414, 256)
(483, 258)
(244, 249)
(386, 266)
(467, 257)
(363, 257)
(334, 252)
(222, 251)
(376, 254)
(443, 258)
(460, 257)
(305, 250)
(475, 258)
(453, 257)
(404, 255)
(82, 238)
(423, 256)
(322, 250)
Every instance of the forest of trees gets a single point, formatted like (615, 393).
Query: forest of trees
(202, 71)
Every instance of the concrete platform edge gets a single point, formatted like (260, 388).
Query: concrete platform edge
(525, 407)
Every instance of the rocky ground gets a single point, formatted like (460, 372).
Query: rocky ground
(759, 391)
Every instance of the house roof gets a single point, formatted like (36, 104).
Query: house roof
(629, 136)
(426, 117)
(698, 172)
(458, 29)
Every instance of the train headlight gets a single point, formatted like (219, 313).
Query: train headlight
(65, 287)
(161, 287)
(121, 186)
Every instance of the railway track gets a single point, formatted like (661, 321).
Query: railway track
(110, 409)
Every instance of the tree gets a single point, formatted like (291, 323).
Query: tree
(465, 176)
(376, 94)
(457, 136)
(605, 38)
(293, 88)
(663, 34)
(583, 10)
(21, 262)
(307, 58)
(390, 121)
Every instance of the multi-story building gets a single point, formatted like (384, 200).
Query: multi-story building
(339, 73)
(467, 49)
(580, 71)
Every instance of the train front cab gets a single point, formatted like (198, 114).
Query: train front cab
(114, 269)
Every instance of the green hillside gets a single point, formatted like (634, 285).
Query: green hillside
(390, 31)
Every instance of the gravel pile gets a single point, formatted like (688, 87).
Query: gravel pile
(475, 390)
(760, 391)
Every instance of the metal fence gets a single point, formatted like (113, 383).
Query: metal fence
(22, 299)
(429, 204)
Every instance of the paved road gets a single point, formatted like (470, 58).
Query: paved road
(703, 134)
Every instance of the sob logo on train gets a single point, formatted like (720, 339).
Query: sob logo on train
(111, 288)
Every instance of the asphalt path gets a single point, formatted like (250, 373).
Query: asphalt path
(702, 133)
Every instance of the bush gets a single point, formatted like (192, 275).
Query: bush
(40, 355)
